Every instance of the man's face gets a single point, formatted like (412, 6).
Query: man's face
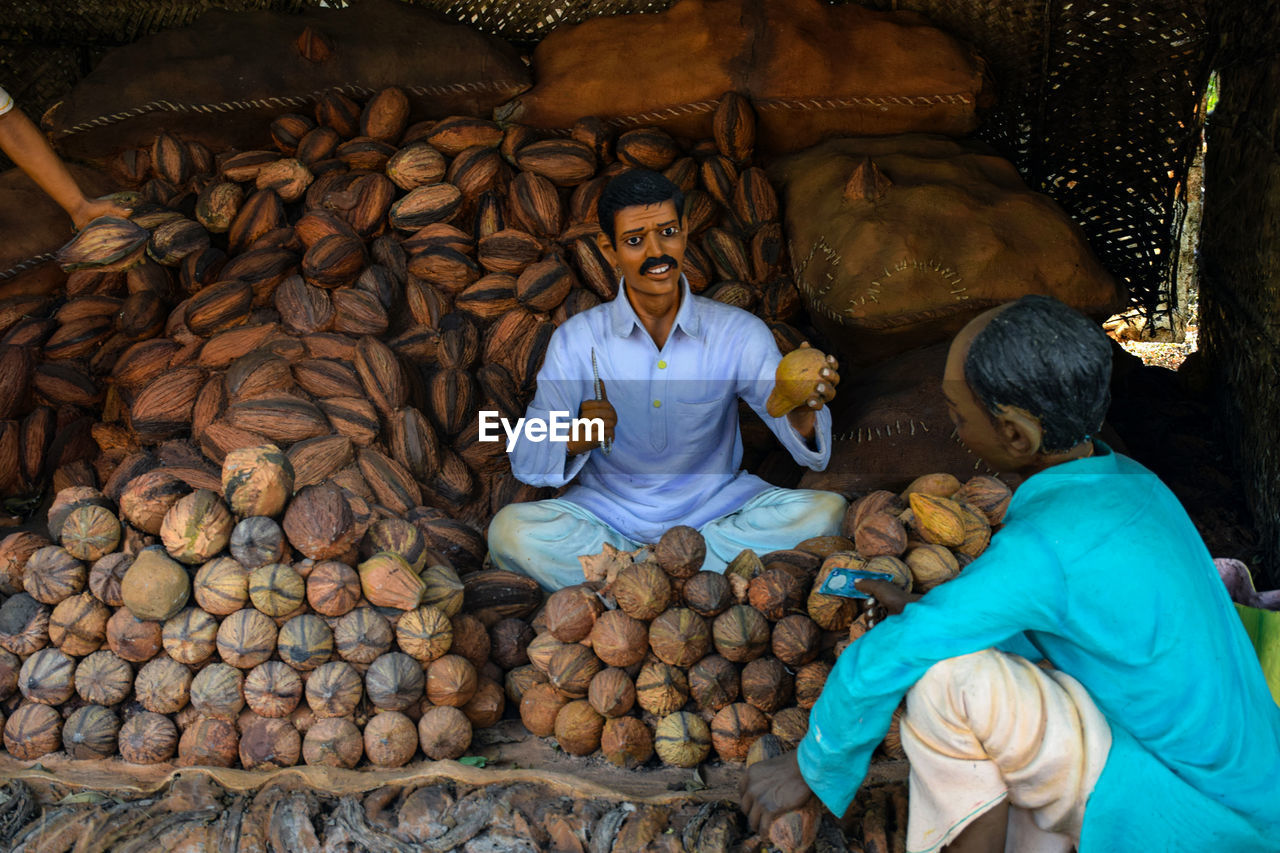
(648, 246)
(974, 424)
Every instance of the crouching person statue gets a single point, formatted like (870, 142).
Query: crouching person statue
(658, 373)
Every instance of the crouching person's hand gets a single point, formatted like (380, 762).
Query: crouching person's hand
(772, 788)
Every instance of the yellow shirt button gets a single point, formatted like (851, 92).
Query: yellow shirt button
(657, 404)
(662, 365)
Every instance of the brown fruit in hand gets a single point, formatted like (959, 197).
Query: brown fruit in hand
(571, 613)
(619, 640)
(147, 738)
(642, 591)
(741, 633)
(765, 747)
(734, 728)
(578, 728)
(681, 551)
(444, 732)
(612, 692)
(793, 832)
(682, 739)
(539, 707)
(833, 612)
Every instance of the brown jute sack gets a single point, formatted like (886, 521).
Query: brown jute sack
(223, 79)
(810, 69)
(897, 242)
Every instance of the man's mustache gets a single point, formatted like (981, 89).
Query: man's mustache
(650, 263)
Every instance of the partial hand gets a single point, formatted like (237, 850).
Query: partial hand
(886, 598)
(824, 389)
(90, 209)
(592, 409)
(772, 788)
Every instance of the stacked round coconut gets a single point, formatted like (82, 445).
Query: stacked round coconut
(660, 656)
(352, 293)
(249, 624)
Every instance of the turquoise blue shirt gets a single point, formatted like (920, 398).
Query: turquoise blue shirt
(677, 452)
(1099, 570)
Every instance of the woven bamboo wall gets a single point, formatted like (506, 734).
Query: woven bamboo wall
(1240, 256)
(1098, 99)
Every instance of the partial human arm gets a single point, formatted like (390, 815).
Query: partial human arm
(562, 387)
(31, 152)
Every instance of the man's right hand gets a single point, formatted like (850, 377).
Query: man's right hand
(592, 409)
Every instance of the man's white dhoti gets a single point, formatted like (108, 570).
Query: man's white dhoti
(988, 726)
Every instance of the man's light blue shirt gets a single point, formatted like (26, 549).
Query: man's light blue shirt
(677, 449)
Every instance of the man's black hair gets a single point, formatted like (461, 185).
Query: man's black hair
(631, 188)
(1048, 359)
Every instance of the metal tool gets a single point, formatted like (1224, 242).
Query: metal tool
(607, 443)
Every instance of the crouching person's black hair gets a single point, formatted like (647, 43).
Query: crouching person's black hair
(1049, 360)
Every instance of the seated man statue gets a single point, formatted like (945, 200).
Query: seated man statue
(1086, 682)
(671, 368)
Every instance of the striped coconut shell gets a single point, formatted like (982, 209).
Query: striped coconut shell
(104, 678)
(32, 731)
(69, 499)
(680, 637)
(147, 738)
(333, 742)
(78, 625)
(52, 574)
(218, 691)
(444, 733)
(741, 633)
(106, 575)
(443, 589)
(269, 743)
(578, 728)
(810, 679)
(452, 681)
(734, 728)
(305, 642)
(163, 686)
(47, 677)
(708, 594)
(191, 637)
(319, 522)
(642, 591)
(333, 588)
(767, 684)
(362, 635)
(626, 742)
(15, 550)
(619, 639)
(334, 689)
(90, 532)
(542, 648)
(796, 640)
(221, 586)
(714, 683)
(520, 679)
(470, 639)
(209, 742)
(148, 498)
(24, 624)
(682, 739)
(487, 704)
(790, 725)
(246, 638)
(396, 536)
(257, 480)
(390, 739)
(197, 527)
(133, 639)
(388, 581)
(91, 732)
(538, 709)
(276, 589)
(257, 541)
(272, 689)
(571, 613)
(661, 688)
(612, 692)
(394, 681)
(425, 633)
(572, 668)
